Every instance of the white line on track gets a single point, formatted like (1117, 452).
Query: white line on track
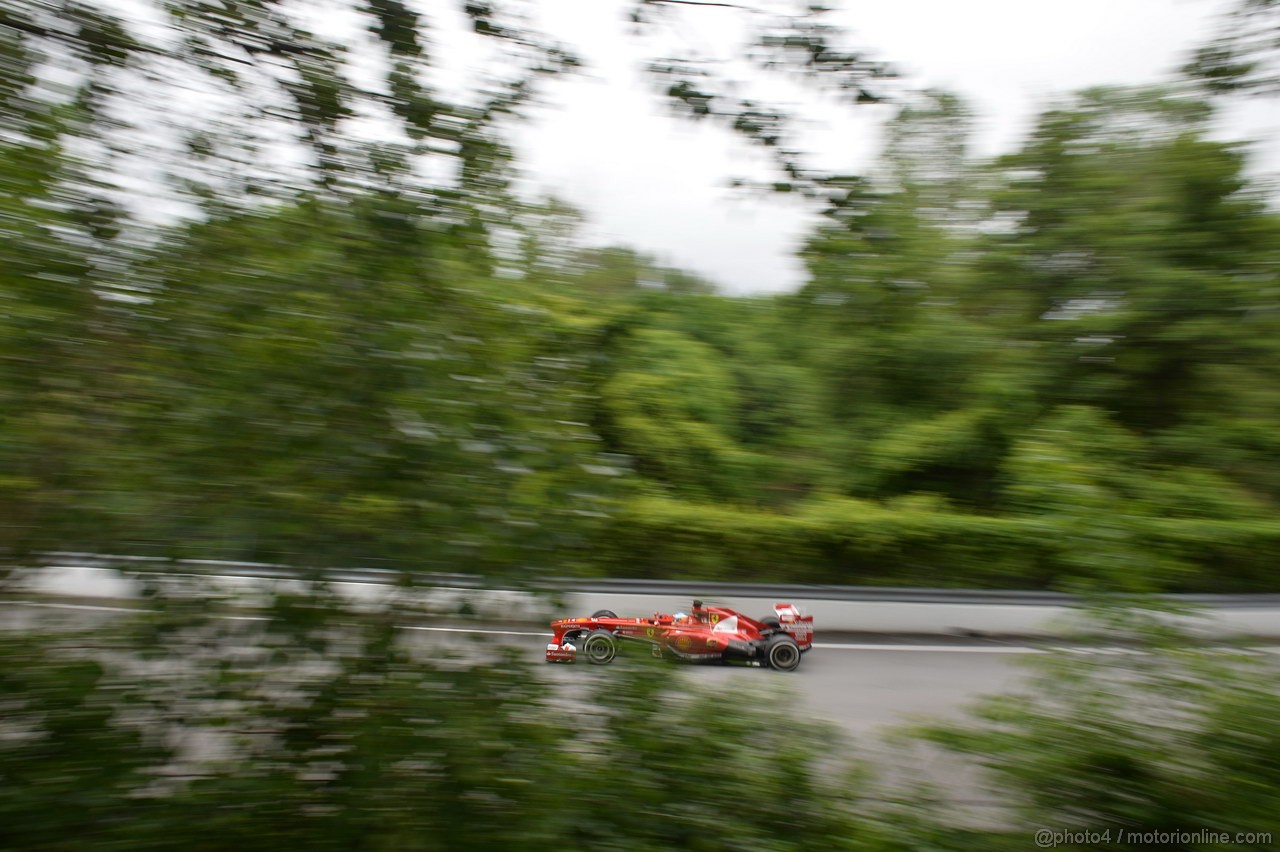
(477, 630)
(87, 607)
(932, 649)
(826, 646)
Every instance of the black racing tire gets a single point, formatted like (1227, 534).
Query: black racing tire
(604, 613)
(600, 647)
(772, 622)
(782, 653)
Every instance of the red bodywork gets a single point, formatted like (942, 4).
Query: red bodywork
(707, 634)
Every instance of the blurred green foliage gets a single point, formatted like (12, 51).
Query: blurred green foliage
(314, 728)
(1055, 369)
(1162, 736)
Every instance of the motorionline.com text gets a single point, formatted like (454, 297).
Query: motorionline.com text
(1048, 838)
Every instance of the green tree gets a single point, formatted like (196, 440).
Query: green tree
(902, 359)
(1165, 737)
(1136, 255)
(672, 407)
(1244, 53)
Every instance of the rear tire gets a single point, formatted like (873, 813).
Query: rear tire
(604, 613)
(782, 653)
(770, 621)
(600, 647)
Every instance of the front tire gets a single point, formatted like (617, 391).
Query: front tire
(782, 653)
(600, 647)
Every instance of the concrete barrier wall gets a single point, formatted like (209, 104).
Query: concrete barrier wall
(1038, 615)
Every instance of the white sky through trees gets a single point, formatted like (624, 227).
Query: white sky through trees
(605, 141)
(605, 144)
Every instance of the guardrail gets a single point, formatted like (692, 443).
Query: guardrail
(859, 609)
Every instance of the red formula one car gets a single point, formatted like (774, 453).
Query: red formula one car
(710, 634)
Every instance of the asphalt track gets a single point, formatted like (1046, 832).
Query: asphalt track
(865, 686)
(862, 685)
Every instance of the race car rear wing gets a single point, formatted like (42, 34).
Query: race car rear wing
(796, 625)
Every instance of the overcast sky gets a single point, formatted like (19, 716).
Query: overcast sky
(604, 143)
